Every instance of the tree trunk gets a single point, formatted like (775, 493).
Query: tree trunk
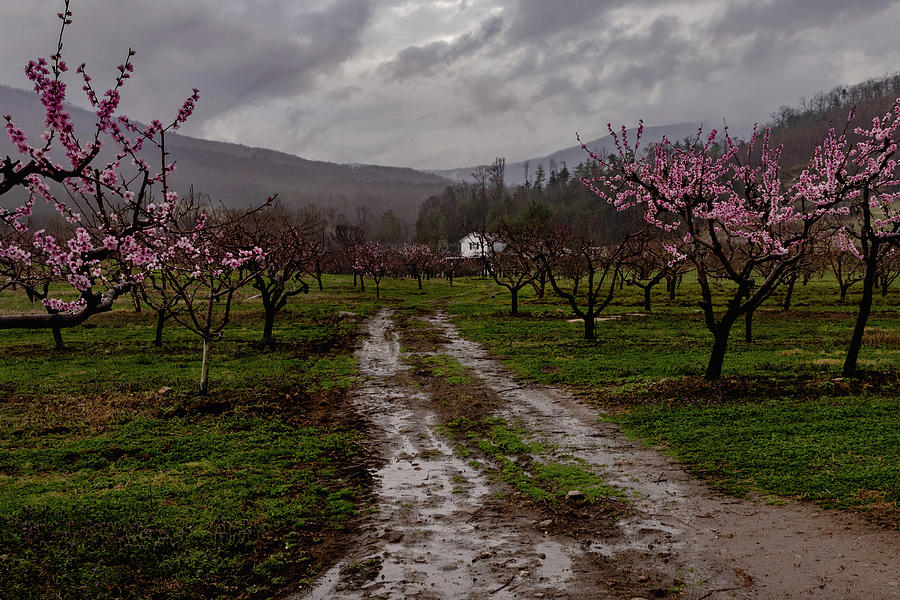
(790, 293)
(590, 325)
(136, 299)
(267, 340)
(57, 338)
(748, 327)
(420, 281)
(514, 310)
(647, 298)
(862, 317)
(720, 344)
(160, 321)
(204, 369)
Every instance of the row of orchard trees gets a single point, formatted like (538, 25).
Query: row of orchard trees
(727, 214)
(123, 229)
(722, 210)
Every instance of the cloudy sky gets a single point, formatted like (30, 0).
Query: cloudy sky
(450, 83)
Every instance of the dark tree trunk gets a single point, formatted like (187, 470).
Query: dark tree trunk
(514, 310)
(160, 321)
(720, 345)
(57, 338)
(647, 298)
(790, 293)
(862, 317)
(590, 326)
(420, 281)
(267, 340)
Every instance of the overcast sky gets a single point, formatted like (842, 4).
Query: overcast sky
(451, 83)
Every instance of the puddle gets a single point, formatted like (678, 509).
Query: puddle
(440, 533)
(437, 533)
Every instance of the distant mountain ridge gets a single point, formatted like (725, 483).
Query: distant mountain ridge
(239, 175)
(572, 156)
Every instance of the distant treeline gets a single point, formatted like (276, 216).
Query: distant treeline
(800, 128)
(553, 194)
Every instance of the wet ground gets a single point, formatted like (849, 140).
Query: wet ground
(444, 530)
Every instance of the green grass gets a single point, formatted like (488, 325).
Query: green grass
(518, 462)
(111, 488)
(447, 368)
(840, 452)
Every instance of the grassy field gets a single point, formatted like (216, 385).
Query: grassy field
(115, 477)
(116, 480)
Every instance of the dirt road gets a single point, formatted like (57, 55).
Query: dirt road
(443, 531)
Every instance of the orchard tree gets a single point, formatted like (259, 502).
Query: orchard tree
(198, 278)
(889, 269)
(374, 260)
(278, 275)
(420, 260)
(860, 177)
(649, 264)
(847, 268)
(584, 271)
(724, 210)
(317, 255)
(119, 210)
(513, 259)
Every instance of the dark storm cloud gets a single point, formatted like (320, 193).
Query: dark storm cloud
(789, 16)
(235, 53)
(428, 59)
(378, 80)
(540, 18)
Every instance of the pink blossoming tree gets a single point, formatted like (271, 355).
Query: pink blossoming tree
(119, 209)
(860, 176)
(726, 212)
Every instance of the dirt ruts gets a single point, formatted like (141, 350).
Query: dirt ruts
(441, 531)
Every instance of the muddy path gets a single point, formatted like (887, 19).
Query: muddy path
(444, 530)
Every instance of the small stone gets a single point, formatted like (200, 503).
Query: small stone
(545, 524)
(643, 578)
(164, 390)
(575, 496)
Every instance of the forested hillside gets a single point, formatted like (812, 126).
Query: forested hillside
(239, 176)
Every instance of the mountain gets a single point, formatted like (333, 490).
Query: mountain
(515, 172)
(240, 176)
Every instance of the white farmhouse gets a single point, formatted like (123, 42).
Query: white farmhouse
(478, 245)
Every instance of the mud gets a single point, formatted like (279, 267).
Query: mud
(442, 531)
